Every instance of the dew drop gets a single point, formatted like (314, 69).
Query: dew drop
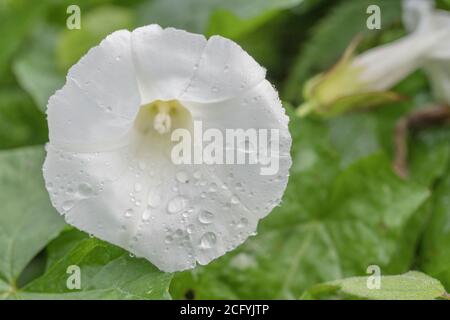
(128, 213)
(168, 239)
(212, 187)
(146, 215)
(205, 217)
(182, 176)
(190, 228)
(176, 204)
(197, 175)
(85, 190)
(234, 200)
(154, 199)
(67, 205)
(208, 240)
(242, 223)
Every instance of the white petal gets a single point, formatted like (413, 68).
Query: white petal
(224, 71)
(165, 60)
(438, 72)
(384, 66)
(123, 188)
(243, 195)
(416, 13)
(100, 99)
(199, 212)
(420, 16)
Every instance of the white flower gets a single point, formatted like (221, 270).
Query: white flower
(421, 16)
(363, 80)
(109, 169)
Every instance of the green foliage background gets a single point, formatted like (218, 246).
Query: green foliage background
(344, 208)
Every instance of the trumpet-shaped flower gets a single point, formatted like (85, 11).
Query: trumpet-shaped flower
(421, 15)
(364, 80)
(109, 167)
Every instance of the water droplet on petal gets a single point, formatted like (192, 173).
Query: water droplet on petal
(190, 228)
(67, 205)
(208, 240)
(212, 187)
(154, 199)
(128, 213)
(84, 189)
(182, 177)
(205, 217)
(146, 215)
(242, 223)
(176, 204)
(197, 175)
(169, 239)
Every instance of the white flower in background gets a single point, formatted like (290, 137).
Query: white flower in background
(420, 15)
(108, 168)
(363, 80)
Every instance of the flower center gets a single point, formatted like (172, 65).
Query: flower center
(161, 117)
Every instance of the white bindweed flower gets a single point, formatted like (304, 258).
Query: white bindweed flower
(421, 15)
(364, 80)
(109, 168)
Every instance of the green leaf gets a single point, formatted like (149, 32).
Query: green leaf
(331, 36)
(21, 123)
(412, 285)
(95, 26)
(229, 18)
(36, 70)
(106, 272)
(16, 20)
(27, 219)
(333, 222)
(435, 250)
(66, 241)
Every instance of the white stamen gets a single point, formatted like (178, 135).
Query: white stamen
(162, 122)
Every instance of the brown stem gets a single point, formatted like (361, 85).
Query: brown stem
(420, 119)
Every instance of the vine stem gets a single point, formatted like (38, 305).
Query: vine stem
(424, 118)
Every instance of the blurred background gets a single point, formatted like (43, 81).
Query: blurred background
(344, 162)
